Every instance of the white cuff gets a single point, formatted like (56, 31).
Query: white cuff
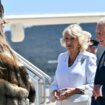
(101, 90)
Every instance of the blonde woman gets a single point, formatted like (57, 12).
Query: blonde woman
(76, 67)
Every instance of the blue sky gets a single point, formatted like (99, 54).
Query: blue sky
(22, 7)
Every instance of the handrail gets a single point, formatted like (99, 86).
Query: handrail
(41, 76)
(33, 68)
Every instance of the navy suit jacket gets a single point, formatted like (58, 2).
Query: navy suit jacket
(100, 79)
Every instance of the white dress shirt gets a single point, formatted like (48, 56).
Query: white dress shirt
(80, 74)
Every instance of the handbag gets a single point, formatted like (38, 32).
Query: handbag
(77, 99)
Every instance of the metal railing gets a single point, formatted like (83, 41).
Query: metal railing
(39, 78)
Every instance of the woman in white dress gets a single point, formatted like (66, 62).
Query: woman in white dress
(76, 67)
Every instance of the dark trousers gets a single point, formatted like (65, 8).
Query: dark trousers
(99, 101)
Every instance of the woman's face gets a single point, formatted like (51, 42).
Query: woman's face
(71, 43)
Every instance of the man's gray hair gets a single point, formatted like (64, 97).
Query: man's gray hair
(101, 21)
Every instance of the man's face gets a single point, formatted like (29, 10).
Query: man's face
(100, 34)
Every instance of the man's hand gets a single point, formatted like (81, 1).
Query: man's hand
(96, 90)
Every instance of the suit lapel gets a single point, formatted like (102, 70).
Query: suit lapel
(101, 61)
(98, 68)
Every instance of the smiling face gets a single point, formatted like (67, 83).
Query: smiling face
(100, 33)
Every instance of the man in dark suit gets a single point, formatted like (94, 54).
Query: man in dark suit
(99, 83)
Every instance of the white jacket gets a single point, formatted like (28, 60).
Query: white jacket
(81, 74)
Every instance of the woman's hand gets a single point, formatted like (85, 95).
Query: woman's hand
(72, 91)
(60, 94)
(65, 93)
(56, 94)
